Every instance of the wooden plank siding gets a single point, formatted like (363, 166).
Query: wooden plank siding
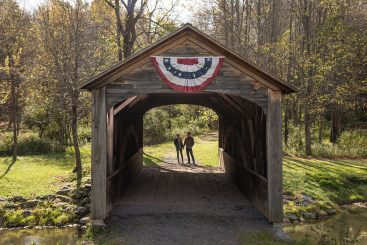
(145, 80)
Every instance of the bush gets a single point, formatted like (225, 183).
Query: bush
(28, 144)
(84, 134)
(351, 144)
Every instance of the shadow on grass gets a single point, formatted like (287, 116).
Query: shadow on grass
(151, 161)
(8, 168)
(341, 186)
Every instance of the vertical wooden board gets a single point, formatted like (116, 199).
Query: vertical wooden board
(110, 139)
(99, 157)
(274, 156)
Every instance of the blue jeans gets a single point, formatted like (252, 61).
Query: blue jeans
(189, 152)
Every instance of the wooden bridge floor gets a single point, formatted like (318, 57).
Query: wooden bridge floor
(172, 188)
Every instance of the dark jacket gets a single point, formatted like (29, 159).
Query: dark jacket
(178, 143)
(189, 142)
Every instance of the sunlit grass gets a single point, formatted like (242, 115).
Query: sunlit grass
(331, 182)
(36, 175)
(205, 152)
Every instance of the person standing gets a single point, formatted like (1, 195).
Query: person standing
(179, 145)
(189, 143)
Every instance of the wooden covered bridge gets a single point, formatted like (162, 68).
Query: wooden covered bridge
(188, 67)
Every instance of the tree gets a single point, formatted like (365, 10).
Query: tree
(131, 14)
(68, 41)
(14, 25)
(316, 45)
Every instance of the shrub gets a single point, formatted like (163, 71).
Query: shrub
(351, 144)
(84, 134)
(28, 144)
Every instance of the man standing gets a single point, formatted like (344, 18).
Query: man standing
(189, 143)
(178, 143)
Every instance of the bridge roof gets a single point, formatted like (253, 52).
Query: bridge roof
(187, 31)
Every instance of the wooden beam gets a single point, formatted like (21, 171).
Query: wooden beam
(241, 102)
(110, 143)
(123, 104)
(274, 156)
(99, 157)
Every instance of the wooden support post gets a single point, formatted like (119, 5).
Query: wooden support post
(110, 143)
(99, 157)
(274, 157)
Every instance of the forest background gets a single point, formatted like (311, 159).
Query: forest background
(319, 46)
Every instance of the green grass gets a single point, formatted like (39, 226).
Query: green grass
(37, 175)
(331, 182)
(155, 154)
(205, 152)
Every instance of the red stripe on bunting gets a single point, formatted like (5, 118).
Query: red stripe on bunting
(188, 61)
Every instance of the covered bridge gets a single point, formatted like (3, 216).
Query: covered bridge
(188, 67)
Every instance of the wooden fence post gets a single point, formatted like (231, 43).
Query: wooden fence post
(99, 157)
(274, 156)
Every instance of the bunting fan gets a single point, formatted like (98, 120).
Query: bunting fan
(187, 74)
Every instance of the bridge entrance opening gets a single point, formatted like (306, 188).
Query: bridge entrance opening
(246, 99)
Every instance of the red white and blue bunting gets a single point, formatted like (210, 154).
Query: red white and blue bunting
(187, 74)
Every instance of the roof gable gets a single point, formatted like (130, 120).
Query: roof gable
(187, 32)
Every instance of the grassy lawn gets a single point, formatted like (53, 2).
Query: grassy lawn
(37, 175)
(331, 182)
(205, 152)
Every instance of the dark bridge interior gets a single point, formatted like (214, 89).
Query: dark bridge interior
(242, 142)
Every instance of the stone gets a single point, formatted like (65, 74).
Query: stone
(46, 197)
(309, 216)
(10, 205)
(63, 192)
(87, 206)
(17, 199)
(2, 199)
(308, 199)
(81, 211)
(86, 201)
(63, 198)
(29, 204)
(330, 211)
(27, 213)
(60, 204)
(292, 217)
(321, 214)
(85, 220)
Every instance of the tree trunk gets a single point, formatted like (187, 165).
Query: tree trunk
(14, 119)
(74, 131)
(118, 29)
(307, 132)
(336, 123)
(320, 130)
(286, 128)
